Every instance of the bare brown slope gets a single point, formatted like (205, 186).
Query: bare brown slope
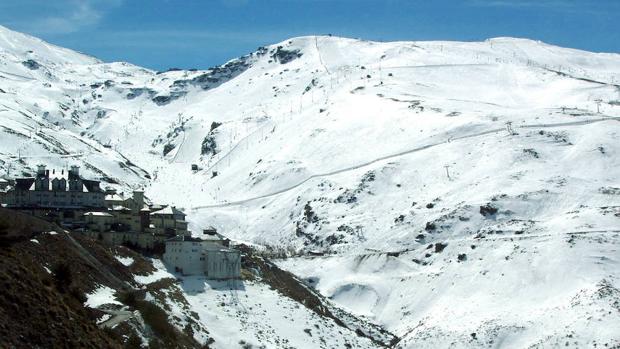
(39, 308)
(43, 281)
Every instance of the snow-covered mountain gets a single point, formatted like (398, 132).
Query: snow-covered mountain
(464, 194)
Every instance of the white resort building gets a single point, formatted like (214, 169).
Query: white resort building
(209, 256)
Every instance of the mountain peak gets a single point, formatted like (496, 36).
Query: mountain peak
(23, 46)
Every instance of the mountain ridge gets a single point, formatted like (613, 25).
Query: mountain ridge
(474, 235)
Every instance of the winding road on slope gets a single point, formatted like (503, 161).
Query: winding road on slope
(399, 154)
(70, 155)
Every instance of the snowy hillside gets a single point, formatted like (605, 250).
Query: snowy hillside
(463, 194)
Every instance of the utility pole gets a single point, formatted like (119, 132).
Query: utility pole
(380, 72)
(448, 172)
(598, 105)
(509, 128)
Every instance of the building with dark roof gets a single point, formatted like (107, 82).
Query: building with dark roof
(168, 221)
(55, 190)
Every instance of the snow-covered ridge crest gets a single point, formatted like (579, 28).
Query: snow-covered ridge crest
(20, 45)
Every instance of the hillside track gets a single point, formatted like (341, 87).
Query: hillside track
(399, 154)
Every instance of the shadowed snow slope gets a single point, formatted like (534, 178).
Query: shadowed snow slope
(464, 194)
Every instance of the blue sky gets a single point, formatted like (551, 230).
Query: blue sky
(160, 34)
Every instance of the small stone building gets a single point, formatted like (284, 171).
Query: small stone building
(168, 221)
(98, 221)
(130, 220)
